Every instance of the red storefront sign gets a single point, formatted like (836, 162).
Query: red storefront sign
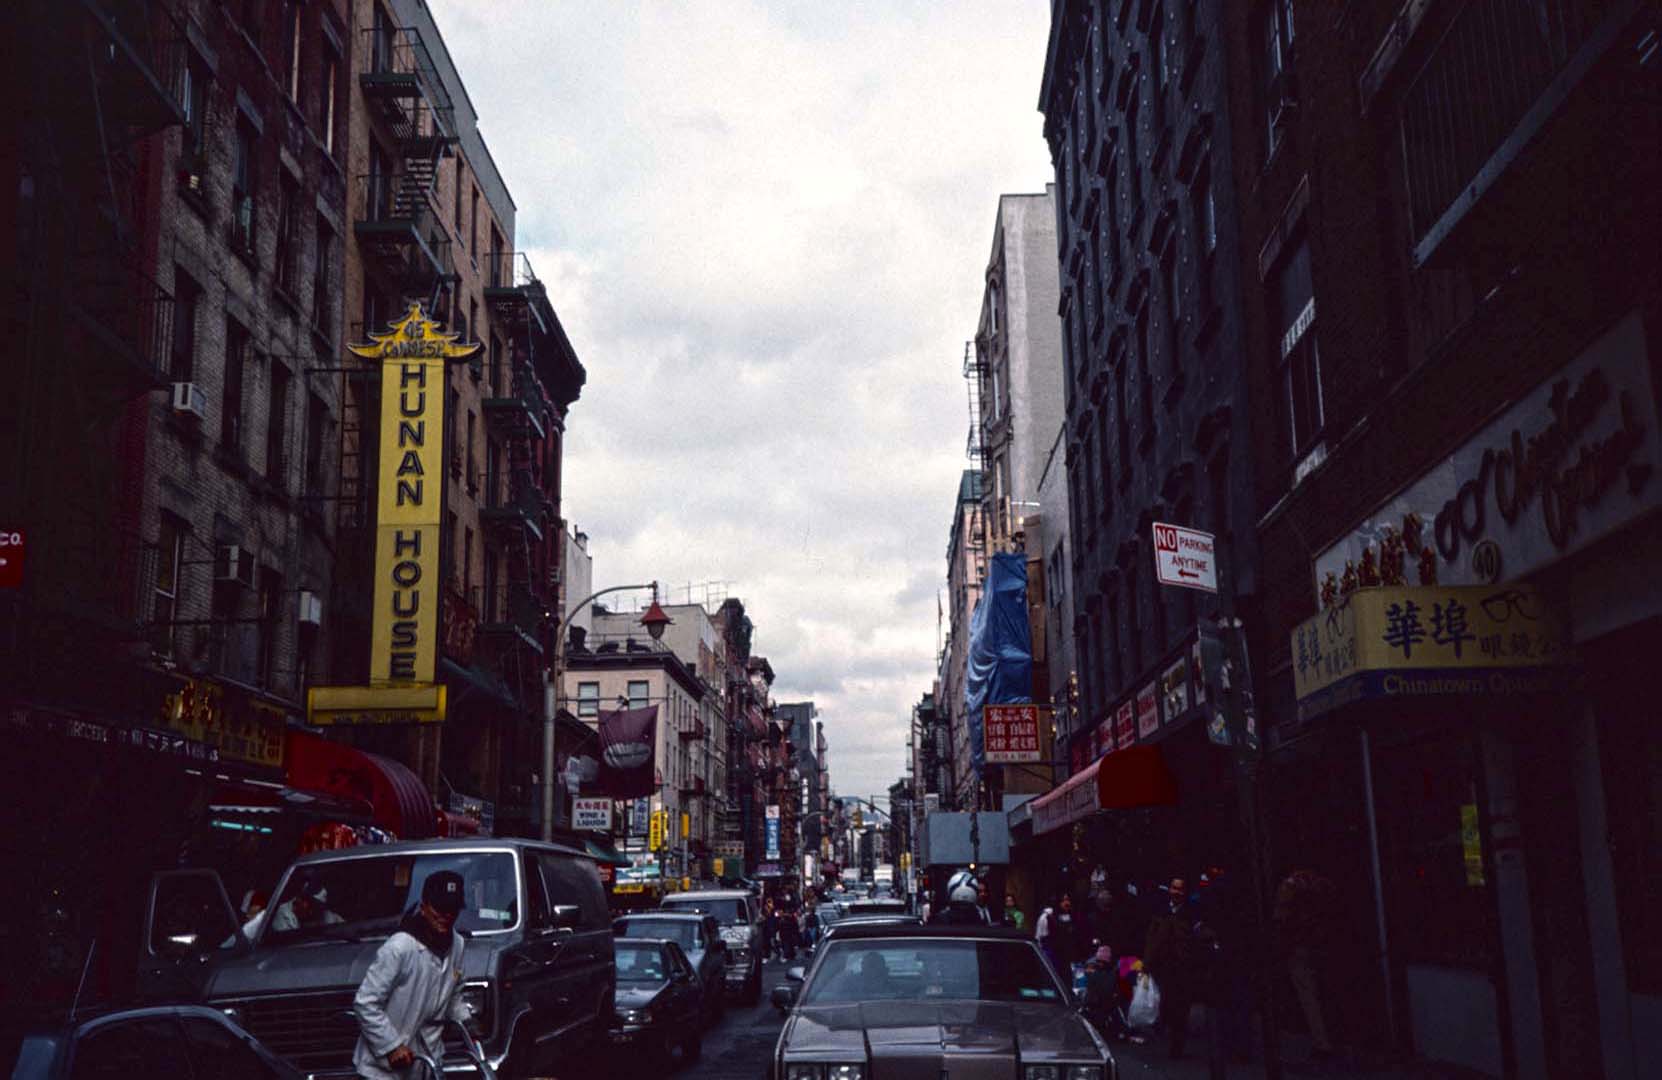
(1148, 711)
(11, 558)
(1010, 734)
(1125, 724)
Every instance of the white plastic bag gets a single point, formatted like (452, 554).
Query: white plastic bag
(1145, 1003)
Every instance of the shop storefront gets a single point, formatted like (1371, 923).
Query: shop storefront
(1473, 735)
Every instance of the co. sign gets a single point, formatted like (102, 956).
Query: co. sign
(11, 558)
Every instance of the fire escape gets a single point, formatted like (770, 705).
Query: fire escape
(100, 80)
(519, 513)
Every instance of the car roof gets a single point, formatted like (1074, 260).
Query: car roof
(848, 930)
(708, 894)
(658, 913)
(436, 847)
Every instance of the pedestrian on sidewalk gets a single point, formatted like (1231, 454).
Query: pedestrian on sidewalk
(789, 935)
(1012, 914)
(770, 930)
(411, 986)
(1172, 958)
(1057, 934)
(1304, 927)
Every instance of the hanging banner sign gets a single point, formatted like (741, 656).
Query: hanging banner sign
(772, 832)
(409, 494)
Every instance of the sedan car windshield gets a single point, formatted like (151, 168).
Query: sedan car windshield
(896, 969)
(640, 962)
(681, 931)
(368, 896)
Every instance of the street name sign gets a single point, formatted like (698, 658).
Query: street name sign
(1185, 557)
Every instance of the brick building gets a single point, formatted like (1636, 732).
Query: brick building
(1437, 223)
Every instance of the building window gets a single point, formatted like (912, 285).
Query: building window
(187, 296)
(195, 97)
(472, 457)
(1205, 210)
(1145, 380)
(288, 234)
(457, 217)
(1300, 359)
(1122, 426)
(317, 423)
(291, 49)
(473, 227)
(328, 110)
(588, 699)
(170, 557)
(640, 692)
(467, 561)
(1174, 308)
(498, 388)
(243, 178)
(1105, 463)
(322, 289)
(230, 403)
(472, 323)
(271, 611)
(277, 428)
(491, 572)
(1275, 34)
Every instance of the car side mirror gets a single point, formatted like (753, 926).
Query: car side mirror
(565, 916)
(784, 997)
(796, 974)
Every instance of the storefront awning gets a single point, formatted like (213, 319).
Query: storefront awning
(247, 797)
(603, 854)
(399, 798)
(1133, 777)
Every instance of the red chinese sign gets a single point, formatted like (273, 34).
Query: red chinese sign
(1010, 734)
(1125, 724)
(11, 558)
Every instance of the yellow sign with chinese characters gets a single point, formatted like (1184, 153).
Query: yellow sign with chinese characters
(1401, 642)
(655, 831)
(410, 497)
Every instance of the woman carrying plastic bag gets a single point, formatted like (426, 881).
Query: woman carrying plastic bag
(1145, 1003)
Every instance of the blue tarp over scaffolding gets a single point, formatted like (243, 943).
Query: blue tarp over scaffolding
(1000, 668)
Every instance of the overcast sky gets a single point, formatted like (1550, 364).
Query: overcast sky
(764, 226)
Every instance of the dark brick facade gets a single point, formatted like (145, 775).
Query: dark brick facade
(1135, 109)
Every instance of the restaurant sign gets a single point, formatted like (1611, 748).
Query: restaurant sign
(229, 720)
(410, 498)
(1568, 464)
(1426, 641)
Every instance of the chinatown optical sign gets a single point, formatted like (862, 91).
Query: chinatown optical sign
(409, 513)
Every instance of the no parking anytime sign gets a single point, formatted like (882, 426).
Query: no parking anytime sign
(1185, 557)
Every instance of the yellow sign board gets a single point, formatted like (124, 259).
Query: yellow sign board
(686, 824)
(333, 705)
(238, 726)
(410, 497)
(718, 867)
(1403, 642)
(1471, 843)
(655, 830)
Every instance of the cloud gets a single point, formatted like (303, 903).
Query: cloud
(764, 227)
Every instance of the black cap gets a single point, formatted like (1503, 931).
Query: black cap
(443, 891)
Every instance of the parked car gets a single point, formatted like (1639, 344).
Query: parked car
(177, 1041)
(538, 971)
(980, 992)
(660, 1000)
(740, 916)
(699, 936)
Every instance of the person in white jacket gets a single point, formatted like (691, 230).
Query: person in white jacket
(412, 986)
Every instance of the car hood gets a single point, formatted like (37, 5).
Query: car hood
(633, 995)
(936, 1030)
(312, 965)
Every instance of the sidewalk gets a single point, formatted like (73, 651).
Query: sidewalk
(1149, 1062)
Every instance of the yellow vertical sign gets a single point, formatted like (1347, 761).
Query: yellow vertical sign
(655, 831)
(410, 495)
(686, 824)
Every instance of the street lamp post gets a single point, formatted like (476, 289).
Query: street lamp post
(654, 620)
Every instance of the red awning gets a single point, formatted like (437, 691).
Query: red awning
(1135, 776)
(400, 800)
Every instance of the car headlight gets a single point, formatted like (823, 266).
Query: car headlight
(1084, 1072)
(814, 1070)
(1042, 1072)
(477, 997)
(634, 1016)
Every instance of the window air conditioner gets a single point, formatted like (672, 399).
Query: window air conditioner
(189, 398)
(311, 608)
(234, 563)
